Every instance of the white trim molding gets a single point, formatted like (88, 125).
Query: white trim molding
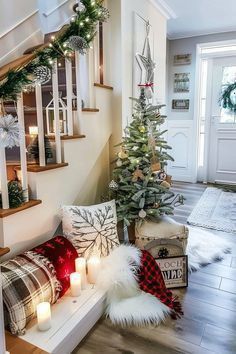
(46, 14)
(164, 9)
(3, 34)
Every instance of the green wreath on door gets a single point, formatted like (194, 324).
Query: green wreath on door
(228, 97)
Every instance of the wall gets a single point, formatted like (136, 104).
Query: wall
(184, 46)
(158, 22)
(182, 128)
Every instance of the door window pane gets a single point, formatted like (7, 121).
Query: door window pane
(229, 77)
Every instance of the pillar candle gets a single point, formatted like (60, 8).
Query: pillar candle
(94, 264)
(75, 284)
(80, 267)
(44, 316)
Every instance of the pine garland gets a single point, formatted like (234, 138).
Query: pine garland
(83, 24)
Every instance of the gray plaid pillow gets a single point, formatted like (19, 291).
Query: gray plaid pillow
(27, 280)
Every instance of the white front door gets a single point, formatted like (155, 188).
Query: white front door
(222, 126)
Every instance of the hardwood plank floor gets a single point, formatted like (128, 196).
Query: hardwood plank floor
(209, 303)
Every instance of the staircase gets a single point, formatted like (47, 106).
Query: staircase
(79, 169)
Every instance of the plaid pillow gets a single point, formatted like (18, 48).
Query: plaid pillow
(27, 280)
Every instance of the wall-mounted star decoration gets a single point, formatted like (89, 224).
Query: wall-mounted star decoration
(145, 62)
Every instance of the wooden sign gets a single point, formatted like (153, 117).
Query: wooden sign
(174, 271)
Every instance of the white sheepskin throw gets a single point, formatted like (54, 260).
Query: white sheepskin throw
(126, 304)
(204, 247)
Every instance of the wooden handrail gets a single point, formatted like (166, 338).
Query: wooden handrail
(4, 251)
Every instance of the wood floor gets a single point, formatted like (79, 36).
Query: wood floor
(209, 322)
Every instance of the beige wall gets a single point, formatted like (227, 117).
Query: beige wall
(146, 10)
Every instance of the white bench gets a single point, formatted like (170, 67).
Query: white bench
(72, 318)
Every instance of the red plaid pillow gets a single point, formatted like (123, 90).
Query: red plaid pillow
(62, 254)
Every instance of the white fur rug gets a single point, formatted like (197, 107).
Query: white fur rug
(216, 210)
(204, 247)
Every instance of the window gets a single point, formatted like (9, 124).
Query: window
(228, 77)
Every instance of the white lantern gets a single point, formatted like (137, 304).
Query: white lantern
(51, 119)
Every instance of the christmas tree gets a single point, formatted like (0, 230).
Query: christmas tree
(33, 149)
(140, 184)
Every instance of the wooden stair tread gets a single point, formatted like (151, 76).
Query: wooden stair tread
(31, 203)
(36, 168)
(16, 345)
(103, 86)
(4, 251)
(68, 137)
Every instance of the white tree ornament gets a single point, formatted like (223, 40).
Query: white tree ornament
(9, 131)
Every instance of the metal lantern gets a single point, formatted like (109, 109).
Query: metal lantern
(51, 118)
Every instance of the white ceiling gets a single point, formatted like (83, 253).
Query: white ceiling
(198, 17)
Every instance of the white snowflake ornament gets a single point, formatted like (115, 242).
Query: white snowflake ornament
(9, 131)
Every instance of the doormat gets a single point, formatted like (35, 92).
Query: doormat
(216, 210)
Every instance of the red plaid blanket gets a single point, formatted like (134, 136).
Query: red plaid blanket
(151, 281)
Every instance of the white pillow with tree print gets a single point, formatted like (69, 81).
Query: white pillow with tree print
(91, 229)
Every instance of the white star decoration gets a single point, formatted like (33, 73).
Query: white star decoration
(145, 61)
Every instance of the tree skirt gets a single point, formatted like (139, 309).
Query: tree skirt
(215, 210)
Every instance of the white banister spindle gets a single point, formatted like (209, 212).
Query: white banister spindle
(56, 111)
(39, 109)
(3, 178)
(23, 159)
(69, 95)
(78, 85)
(91, 77)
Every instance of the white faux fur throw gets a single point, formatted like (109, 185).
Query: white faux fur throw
(126, 303)
(204, 247)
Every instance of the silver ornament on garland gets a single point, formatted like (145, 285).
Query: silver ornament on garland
(103, 13)
(78, 43)
(79, 8)
(9, 131)
(42, 75)
(113, 185)
(142, 214)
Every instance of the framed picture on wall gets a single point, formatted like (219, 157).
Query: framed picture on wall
(181, 82)
(182, 59)
(180, 105)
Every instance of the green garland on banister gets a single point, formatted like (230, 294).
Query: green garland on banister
(83, 25)
(226, 99)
